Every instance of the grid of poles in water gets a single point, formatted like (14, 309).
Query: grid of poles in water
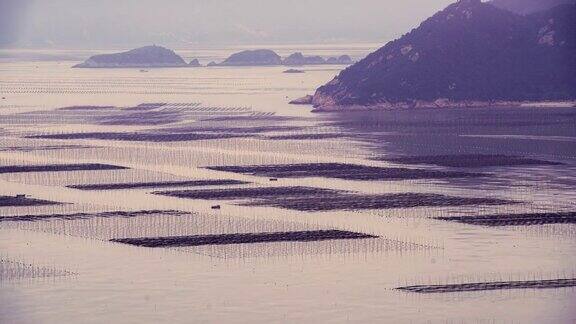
(209, 139)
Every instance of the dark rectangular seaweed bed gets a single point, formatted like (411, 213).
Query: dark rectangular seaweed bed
(143, 185)
(140, 137)
(306, 136)
(247, 193)
(362, 202)
(125, 214)
(242, 238)
(12, 201)
(479, 286)
(470, 160)
(43, 148)
(59, 167)
(342, 171)
(516, 219)
(317, 199)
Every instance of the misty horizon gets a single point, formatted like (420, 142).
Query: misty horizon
(105, 24)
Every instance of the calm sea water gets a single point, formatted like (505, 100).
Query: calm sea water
(65, 270)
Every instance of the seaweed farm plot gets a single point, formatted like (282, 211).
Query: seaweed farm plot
(162, 85)
(58, 168)
(215, 127)
(221, 236)
(162, 191)
(343, 171)
(362, 202)
(306, 137)
(317, 199)
(76, 216)
(192, 128)
(262, 117)
(128, 176)
(248, 193)
(146, 114)
(22, 200)
(370, 246)
(106, 225)
(310, 242)
(158, 184)
(138, 136)
(168, 113)
(226, 239)
(471, 160)
(43, 148)
(11, 270)
(87, 108)
(516, 219)
(64, 174)
(480, 286)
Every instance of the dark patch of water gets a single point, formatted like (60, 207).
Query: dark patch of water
(542, 132)
(470, 160)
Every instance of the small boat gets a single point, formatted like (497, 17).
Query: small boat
(216, 207)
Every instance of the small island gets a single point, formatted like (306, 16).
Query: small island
(300, 59)
(343, 59)
(266, 57)
(143, 57)
(293, 71)
(306, 100)
(260, 57)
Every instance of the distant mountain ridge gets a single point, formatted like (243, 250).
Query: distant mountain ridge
(470, 53)
(526, 7)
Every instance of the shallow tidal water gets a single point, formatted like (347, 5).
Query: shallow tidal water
(179, 142)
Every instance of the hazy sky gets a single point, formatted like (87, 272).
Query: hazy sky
(111, 23)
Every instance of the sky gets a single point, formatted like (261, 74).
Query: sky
(188, 23)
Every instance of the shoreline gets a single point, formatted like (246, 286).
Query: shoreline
(487, 105)
(327, 106)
